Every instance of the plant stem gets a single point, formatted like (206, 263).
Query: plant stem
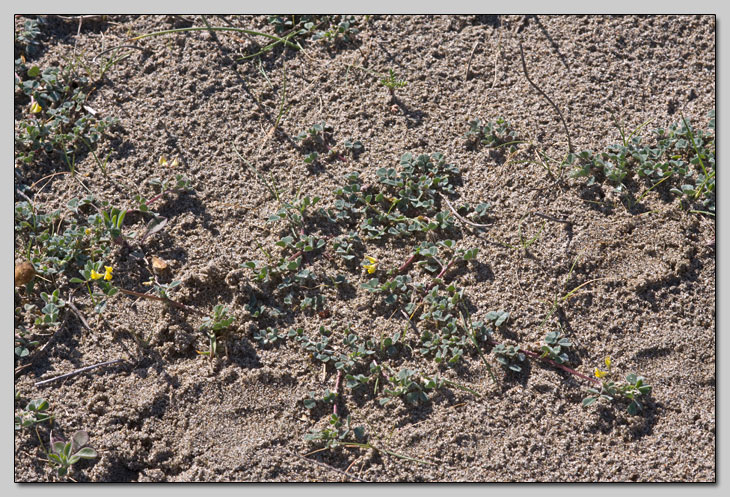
(408, 262)
(90, 292)
(535, 355)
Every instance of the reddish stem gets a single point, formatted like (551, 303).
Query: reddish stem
(408, 262)
(293, 257)
(444, 270)
(535, 355)
(156, 197)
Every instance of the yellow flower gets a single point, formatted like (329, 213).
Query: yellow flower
(35, 108)
(599, 373)
(108, 272)
(373, 266)
(164, 162)
(608, 362)
(95, 275)
(87, 231)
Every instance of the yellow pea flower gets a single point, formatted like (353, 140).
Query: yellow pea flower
(35, 108)
(163, 162)
(373, 266)
(108, 272)
(608, 362)
(95, 275)
(87, 231)
(599, 373)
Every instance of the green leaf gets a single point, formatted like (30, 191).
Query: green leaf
(37, 405)
(57, 446)
(80, 438)
(359, 432)
(502, 318)
(645, 389)
(86, 453)
(589, 400)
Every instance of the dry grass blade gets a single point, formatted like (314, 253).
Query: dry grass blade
(461, 218)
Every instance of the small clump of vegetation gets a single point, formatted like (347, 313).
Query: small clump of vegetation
(680, 154)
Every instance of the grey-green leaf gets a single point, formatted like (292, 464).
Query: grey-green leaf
(86, 453)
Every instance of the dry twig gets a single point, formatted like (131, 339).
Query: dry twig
(560, 114)
(81, 370)
(497, 53)
(468, 65)
(461, 218)
(332, 468)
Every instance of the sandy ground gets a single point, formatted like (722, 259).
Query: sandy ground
(166, 414)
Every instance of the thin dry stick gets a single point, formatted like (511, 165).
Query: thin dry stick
(497, 53)
(524, 68)
(135, 47)
(21, 368)
(337, 392)
(78, 314)
(550, 218)
(81, 370)
(468, 65)
(327, 466)
(25, 197)
(352, 463)
(161, 299)
(48, 177)
(460, 218)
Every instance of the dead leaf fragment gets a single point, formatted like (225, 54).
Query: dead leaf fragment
(24, 272)
(154, 226)
(159, 265)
